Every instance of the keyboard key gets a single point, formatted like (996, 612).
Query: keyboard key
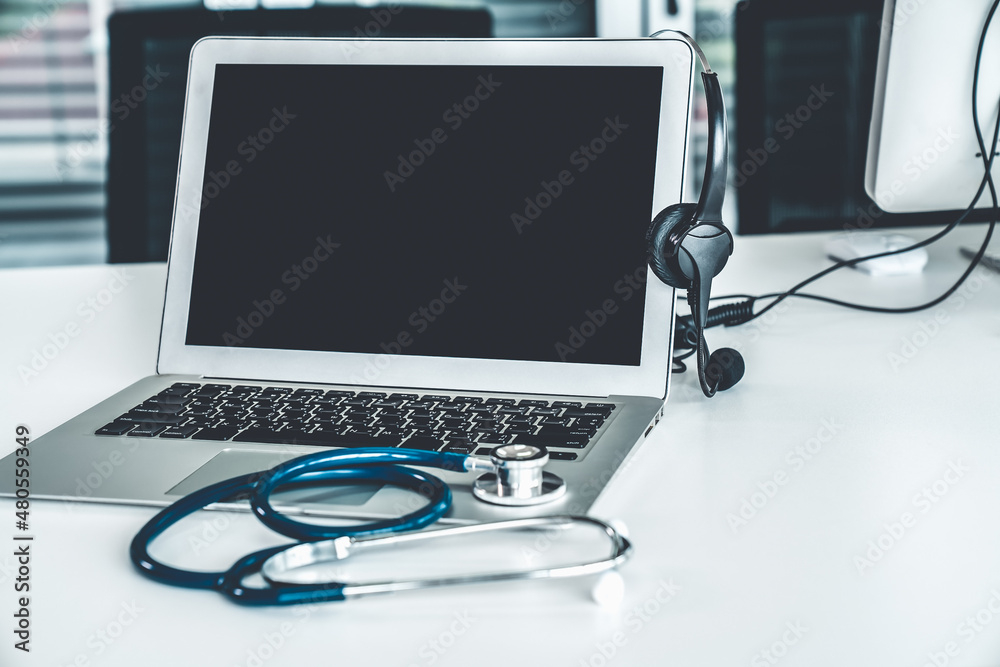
(357, 401)
(496, 439)
(208, 391)
(181, 388)
(563, 456)
(147, 430)
(435, 398)
(359, 419)
(320, 439)
(548, 412)
(307, 392)
(156, 410)
(500, 401)
(424, 443)
(179, 432)
(533, 403)
(549, 440)
(154, 418)
(459, 447)
(561, 430)
(566, 404)
(522, 419)
(167, 399)
(586, 412)
(115, 428)
(355, 429)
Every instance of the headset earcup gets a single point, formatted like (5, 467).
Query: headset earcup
(662, 258)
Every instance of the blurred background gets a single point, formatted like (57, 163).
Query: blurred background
(63, 132)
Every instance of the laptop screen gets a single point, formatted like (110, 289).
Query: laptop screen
(443, 211)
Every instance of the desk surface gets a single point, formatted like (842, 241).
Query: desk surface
(838, 507)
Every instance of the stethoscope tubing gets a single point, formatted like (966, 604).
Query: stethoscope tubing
(373, 465)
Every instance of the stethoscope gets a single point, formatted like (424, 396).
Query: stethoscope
(513, 477)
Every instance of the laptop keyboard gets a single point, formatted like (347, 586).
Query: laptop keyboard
(340, 418)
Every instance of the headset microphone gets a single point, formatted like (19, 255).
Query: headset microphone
(689, 245)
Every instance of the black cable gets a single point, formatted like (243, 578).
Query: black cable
(740, 309)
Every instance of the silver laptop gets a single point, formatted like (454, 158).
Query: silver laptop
(430, 244)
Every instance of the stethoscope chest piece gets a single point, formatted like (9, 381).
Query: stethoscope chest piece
(519, 480)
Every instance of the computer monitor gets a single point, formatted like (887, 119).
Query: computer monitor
(805, 74)
(148, 53)
(923, 155)
(805, 91)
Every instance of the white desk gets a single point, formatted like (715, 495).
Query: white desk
(880, 430)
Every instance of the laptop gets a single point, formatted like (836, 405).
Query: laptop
(435, 244)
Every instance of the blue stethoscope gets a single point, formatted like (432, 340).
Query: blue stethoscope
(513, 477)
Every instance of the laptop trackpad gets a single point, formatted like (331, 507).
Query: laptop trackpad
(233, 462)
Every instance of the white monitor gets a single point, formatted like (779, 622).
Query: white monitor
(922, 151)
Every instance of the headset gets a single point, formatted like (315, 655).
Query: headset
(688, 244)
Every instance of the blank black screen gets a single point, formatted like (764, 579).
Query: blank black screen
(461, 211)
